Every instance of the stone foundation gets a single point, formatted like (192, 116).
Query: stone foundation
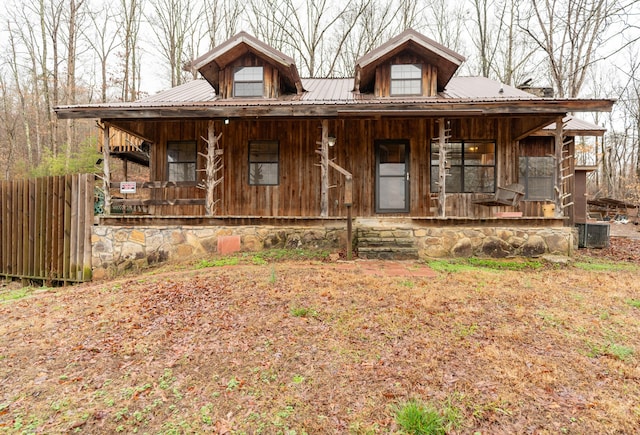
(116, 248)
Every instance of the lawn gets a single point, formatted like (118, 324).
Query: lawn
(308, 347)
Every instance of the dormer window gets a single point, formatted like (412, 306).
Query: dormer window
(406, 79)
(248, 81)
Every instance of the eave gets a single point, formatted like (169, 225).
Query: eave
(328, 109)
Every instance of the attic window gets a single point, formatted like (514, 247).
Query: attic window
(406, 79)
(248, 81)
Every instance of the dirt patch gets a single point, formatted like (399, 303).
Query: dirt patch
(628, 230)
(324, 348)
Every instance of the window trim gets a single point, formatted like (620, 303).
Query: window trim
(276, 162)
(433, 186)
(183, 162)
(402, 80)
(236, 70)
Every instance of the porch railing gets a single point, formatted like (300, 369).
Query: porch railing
(157, 197)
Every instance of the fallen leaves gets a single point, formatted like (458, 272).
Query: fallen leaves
(150, 354)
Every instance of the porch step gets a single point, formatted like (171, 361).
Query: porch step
(374, 245)
(373, 242)
(388, 253)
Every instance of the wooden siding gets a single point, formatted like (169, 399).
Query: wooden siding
(383, 76)
(271, 76)
(45, 228)
(298, 190)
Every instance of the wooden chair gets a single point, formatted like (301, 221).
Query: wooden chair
(509, 195)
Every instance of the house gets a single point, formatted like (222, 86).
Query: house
(252, 155)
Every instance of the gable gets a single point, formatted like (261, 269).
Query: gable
(439, 62)
(218, 65)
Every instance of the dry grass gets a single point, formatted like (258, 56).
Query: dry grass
(311, 348)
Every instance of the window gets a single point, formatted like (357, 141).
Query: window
(471, 167)
(248, 81)
(181, 160)
(263, 162)
(537, 175)
(406, 79)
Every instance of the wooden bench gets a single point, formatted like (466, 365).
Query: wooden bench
(505, 196)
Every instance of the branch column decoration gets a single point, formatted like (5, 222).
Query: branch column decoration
(324, 170)
(563, 166)
(106, 178)
(348, 184)
(212, 170)
(443, 135)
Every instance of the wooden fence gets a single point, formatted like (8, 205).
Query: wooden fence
(45, 228)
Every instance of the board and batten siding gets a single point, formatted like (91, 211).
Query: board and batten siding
(271, 76)
(382, 86)
(298, 190)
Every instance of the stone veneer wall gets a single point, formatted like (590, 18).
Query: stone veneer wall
(495, 242)
(116, 248)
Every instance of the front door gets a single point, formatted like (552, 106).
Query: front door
(392, 176)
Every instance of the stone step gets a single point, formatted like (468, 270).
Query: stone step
(388, 253)
(385, 241)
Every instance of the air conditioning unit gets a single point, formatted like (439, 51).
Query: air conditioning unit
(593, 235)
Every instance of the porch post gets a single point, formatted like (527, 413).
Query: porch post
(559, 185)
(106, 179)
(324, 170)
(212, 170)
(442, 170)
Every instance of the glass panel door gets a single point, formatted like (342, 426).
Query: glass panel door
(392, 176)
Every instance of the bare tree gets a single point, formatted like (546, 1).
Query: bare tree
(74, 24)
(446, 23)
(102, 39)
(173, 24)
(53, 23)
(130, 16)
(307, 26)
(370, 25)
(265, 23)
(410, 15)
(21, 93)
(9, 121)
(570, 33)
(487, 33)
(221, 19)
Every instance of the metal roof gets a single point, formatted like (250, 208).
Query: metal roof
(332, 96)
(194, 91)
(338, 90)
(328, 90)
(482, 87)
(578, 127)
